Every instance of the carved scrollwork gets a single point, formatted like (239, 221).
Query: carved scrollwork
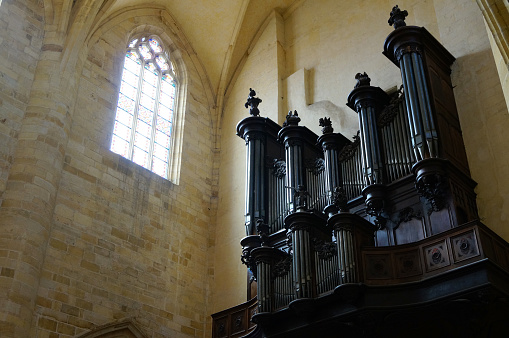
(375, 209)
(300, 226)
(407, 215)
(316, 166)
(247, 260)
(408, 49)
(293, 143)
(325, 250)
(282, 267)
(278, 168)
(348, 151)
(392, 109)
(365, 103)
(221, 329)
(432, 187)
(254, 137)
(238, 322)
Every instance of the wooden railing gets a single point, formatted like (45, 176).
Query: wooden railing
(236, 321)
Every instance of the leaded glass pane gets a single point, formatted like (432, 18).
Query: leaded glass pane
(163, 139)
(161, 152)
(149, 90)
(133, 43)
(132, 62)
(142, 142)
(150, 74)
(162, 63)
(140, 157)
(160, 167)
(130, 78)
(122, 130)
(146, 115)
(145, 52)
(143, 128)
(147, 101)
(126, 103)
(168, 85)
(163, 125)
(120, 146)
(128, 90)
(155, 46)
(151, 139)
(166, 100)
(165, 112)
(124, 117)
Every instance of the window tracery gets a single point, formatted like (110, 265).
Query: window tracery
(145, 110)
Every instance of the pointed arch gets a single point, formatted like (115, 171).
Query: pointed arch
(146, 104)
(125, 329)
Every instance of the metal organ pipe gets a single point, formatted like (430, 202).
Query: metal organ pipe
(422, 124)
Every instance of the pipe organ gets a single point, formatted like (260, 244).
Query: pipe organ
(329, 218)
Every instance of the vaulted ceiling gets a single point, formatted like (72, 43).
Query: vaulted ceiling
(219, 31)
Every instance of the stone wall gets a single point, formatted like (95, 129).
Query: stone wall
(88, 237)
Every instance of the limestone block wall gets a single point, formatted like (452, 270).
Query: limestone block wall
(21, 36)
(88, 238)
(126, 243)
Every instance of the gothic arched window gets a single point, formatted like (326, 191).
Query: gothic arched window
(145, 108)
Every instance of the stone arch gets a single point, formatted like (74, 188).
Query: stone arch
(125, 329)
(132, 21)
(166, 23)
(127, 29)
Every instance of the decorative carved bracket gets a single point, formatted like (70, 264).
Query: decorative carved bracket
(431, 182)
(392, 109)
(433, 187)
(278, 167)
(282, 267)
(325, 250)
(316, 165)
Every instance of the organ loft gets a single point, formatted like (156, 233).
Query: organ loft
(376, 235)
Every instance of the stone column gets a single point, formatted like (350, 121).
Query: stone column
(26, 213)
